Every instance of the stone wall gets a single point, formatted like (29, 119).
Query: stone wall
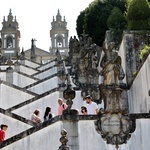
(11, 96)
(138, 96)
(45, 139)
(22, 80)
(14, 126)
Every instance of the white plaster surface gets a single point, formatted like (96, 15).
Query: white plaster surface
(48, 138)
(46, 73)
(78, 101)
(10, 96)
(45, 139)
(50, 100)
(89, 139)
(3, 76)
(21, 80)
(45, 86)
(140, 138)
(14, 126)
(47, 66)
(27, 70)
(122, 53)
(139, 100)
(5, 67)
(29, 63)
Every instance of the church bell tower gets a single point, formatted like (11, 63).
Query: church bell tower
(59, 35)
(10, 36)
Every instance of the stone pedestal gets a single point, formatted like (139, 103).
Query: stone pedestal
(9, 75)
(17, 66)
(70, 124)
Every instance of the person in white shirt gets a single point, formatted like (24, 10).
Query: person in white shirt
(92, 107)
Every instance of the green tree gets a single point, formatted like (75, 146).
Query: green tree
(95, 19)
(116, 23)
(117, 3)
(80, 22)
(138, 15)
(116, 20)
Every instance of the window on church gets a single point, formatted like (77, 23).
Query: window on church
(59, 41)
(59, 44)
(9, 42)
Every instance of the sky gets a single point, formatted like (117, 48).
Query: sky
(35, 17)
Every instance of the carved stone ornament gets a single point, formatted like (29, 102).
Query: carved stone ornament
(114, 123)
(84, 59)
(114, 128)
(64, 141)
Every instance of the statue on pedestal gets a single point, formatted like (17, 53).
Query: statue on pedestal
(111, 64)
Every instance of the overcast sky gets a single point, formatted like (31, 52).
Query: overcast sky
(35, 17)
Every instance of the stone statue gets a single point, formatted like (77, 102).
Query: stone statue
(111, 64)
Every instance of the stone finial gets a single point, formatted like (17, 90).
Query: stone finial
(58, 12)
(10, 13)
(10, 17)
(4, 19)
(64, 141)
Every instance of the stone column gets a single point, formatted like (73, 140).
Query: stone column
(17, 66)
(9, 75)
(70, 123)
(22, 61)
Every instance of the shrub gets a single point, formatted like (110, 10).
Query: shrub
(144, 52)
(138, 14)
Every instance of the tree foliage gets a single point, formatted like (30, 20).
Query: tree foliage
(116, 20)
(121, 4)
(116, 23)
(138, 10)
(95, 21)
(94, 18)
(138, 15)
(80, 22)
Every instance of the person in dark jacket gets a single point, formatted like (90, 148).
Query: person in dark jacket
(48, 115)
